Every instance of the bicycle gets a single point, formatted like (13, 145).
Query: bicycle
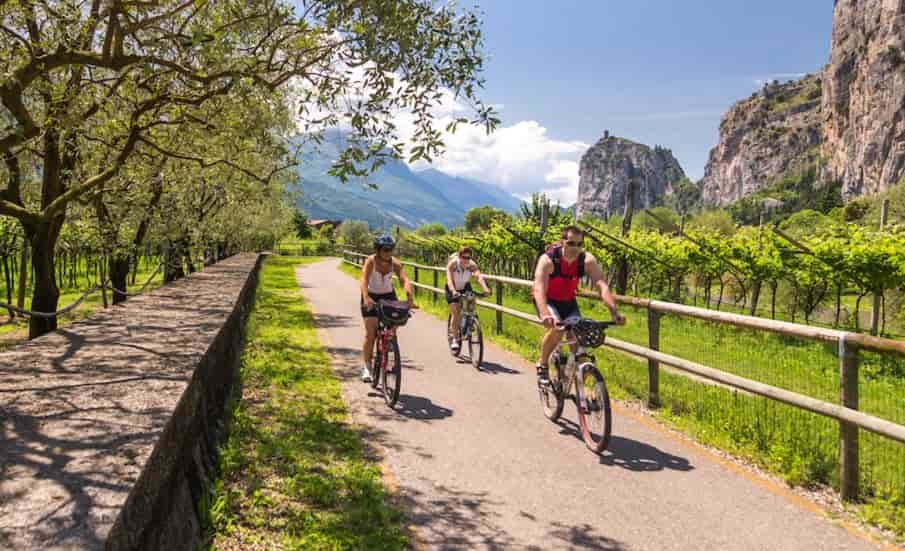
(577, 370)
(469, 328)
(386, 365)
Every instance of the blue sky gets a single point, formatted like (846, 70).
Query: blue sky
(660, 72)
(656, 71)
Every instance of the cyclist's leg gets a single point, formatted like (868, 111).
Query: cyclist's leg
(369, 316)
(455, 311)
(550, 341)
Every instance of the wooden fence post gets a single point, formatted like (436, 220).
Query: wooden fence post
(436, 284)
(653, 366)
(416, 281)
(848, 433)
(499, 301)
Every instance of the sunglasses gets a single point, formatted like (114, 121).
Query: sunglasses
(465, 257)
(386, 249)
(575, 243)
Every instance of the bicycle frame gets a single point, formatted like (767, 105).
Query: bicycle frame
(576, 356)
(385, 335)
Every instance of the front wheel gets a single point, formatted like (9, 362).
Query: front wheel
(594, 413)
(552, 396)
(476, 344)
(392, 374)
(449, 338)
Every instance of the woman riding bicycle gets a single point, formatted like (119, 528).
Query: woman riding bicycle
(458, 276)
(377, 284)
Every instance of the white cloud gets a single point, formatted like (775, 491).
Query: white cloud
(521, 158)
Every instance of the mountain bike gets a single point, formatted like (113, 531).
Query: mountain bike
(469, 328)
(386, 365)
(574, 375)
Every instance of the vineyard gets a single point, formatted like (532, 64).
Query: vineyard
(755, 270)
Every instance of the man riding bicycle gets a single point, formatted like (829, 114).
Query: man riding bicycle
(376, 284)
(556, 278)
(458, 275)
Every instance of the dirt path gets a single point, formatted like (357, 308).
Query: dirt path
(479, 467)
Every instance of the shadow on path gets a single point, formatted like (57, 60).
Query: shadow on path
(631, 454)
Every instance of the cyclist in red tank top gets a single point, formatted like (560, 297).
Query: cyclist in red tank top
(556, 278)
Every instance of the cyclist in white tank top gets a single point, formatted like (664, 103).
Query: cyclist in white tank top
(459, 271)
(376, 284)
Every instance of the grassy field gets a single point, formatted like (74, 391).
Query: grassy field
(800, 446)
(15, 330)
(294, 473)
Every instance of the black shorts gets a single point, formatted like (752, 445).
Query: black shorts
(372, 312)
(450, 299)
(560, 309)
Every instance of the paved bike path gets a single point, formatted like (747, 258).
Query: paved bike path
(479, 467)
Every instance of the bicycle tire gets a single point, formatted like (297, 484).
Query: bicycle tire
(592, 401)
(392, 375)
(449, 332)
(476, 344)
(376, 364)
(552, 397)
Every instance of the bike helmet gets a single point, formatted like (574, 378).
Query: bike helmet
(384, 241)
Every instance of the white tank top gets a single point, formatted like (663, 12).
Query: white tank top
(378, 283)
(460, 275)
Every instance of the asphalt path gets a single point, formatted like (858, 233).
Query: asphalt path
(477, 466)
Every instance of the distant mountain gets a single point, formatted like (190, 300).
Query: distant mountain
(469, 193)
(399, 195)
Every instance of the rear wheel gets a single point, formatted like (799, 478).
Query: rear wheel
(392, 375)
(476, 344)
(593, 402)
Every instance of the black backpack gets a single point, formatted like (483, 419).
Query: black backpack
(555, 254)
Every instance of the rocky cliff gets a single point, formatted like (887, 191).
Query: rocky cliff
(851, 114)
(609, 165)
(776, 130)
(864, 96)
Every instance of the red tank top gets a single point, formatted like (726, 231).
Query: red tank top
(564, 287)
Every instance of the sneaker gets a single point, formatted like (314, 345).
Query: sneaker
(454, 344)
(543, 375)
(366, 374)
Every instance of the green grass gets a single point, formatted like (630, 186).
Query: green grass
(294, 473)
(800, 446)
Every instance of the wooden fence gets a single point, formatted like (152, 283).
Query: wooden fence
(849, 347)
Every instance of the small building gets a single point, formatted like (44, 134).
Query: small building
(318, 224)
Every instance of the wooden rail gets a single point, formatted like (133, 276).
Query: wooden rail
(849, 418)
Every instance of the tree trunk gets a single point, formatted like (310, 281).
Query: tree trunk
(9, 284)
(173, 268)
(23, 275)
(119, 276)
(773, 287)
(755, 297)
(719, 300)
(838, 305)
(46, 294)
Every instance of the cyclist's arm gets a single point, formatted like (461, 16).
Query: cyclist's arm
(449, 277)
(404, 279)
(541, 280)
(365, 274)
(598, 280)
(480, 277)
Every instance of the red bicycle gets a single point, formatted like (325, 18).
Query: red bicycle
(386, 365)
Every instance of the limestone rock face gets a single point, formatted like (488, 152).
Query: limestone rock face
(608, 166)
(776, 130)
(864, 96)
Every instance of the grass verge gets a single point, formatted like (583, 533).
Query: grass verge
(294, 473)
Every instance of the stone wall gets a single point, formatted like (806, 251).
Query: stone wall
(109, 427)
